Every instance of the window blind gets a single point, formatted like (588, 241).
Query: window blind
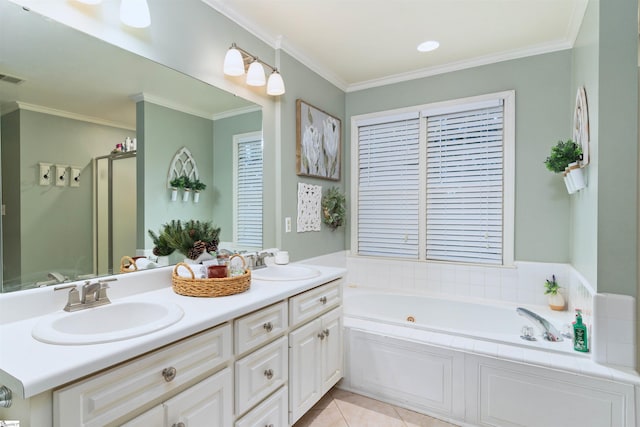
(465, 186)
(388, 188)
(248, 218)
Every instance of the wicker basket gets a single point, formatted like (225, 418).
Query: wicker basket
(213, 287)
(125, 263)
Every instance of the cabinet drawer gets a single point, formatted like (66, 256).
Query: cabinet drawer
(109, 396)
(310, 304)
(260, 373)
(260, 327)
(271, 412)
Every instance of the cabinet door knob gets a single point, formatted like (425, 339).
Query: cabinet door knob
(321, 335)
(326, 332)
(169, 373)
(323, 300)
(268, 425)
(180, 424)
(268, 373)
(268, 326)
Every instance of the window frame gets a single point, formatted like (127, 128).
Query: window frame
(425, 110)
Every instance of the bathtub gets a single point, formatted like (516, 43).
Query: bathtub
(465, 362)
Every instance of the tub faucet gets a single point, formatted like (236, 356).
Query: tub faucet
(549, 332)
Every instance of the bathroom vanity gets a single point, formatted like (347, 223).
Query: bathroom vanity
(260, 358)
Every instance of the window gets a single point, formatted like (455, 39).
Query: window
(247, 184)
(436, 182)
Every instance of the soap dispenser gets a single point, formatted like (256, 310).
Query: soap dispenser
(580, 340)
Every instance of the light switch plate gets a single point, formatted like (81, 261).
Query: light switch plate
(62, 177)
(287, 224)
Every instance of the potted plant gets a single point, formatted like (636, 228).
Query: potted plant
(564, 158)
(197, 186)
(188, 186)
(161, 247)
(555, 298)
(194, 239)
(333, 208)
(179, 182)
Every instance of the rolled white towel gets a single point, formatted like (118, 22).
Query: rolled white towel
(199, 271)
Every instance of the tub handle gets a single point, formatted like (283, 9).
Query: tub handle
(323, 300)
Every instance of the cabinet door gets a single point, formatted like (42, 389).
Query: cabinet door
(304, 368)
(332, 349)
(153, 417)
(208, 403)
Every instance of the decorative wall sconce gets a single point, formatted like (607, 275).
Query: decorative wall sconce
(238, 61)
(134, 13)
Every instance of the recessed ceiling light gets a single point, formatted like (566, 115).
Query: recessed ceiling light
(428, 46)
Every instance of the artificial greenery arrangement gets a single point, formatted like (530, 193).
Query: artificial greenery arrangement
(551, 287)
(197, 185)
(562, 154)
(333, 208)
(192, 238)
(180, 182)
(161, 246)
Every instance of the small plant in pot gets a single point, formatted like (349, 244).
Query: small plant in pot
(555, 298)
(564, 159)
(197, 186)
(177, 183)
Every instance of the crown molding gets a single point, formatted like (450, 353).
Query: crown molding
(236, 112)
(67, 114)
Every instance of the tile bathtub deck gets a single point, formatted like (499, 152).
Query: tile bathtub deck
(339, 408)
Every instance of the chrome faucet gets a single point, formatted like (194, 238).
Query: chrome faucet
(93, 295)
(549, 332)
(260, 259)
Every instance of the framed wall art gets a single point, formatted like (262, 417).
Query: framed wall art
(318, 142)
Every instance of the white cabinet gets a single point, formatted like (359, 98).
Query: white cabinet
(272, 412)
(208, 403)
(315, 361)
(108, 397)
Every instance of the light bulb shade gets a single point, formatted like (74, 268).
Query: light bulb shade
(275, 84)
(135, 13)
(255, 75)
(233, 63)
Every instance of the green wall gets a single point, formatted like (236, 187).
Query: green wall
(10, 139)
(313, 89)
(56, 223)
(222, 188)
(542, 86)
(161, 133)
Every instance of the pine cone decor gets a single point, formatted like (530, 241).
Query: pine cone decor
(213, 246)
(192, 238)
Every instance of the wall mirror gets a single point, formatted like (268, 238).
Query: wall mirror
(67, 99)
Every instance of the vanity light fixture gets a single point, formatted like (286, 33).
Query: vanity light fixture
(134, 13)
(237, 61)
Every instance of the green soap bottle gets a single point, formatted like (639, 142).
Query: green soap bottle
(580, 341)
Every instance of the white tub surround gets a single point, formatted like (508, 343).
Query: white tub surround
(614, 333)
(479, 377)
(30, 367)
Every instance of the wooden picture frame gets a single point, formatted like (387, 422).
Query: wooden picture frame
(318, 142)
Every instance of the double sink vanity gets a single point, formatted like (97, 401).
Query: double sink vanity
(151, 357)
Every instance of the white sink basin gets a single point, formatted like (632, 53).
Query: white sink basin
(108, 323)
(285, 272)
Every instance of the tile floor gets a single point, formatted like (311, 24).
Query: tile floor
(339, 408)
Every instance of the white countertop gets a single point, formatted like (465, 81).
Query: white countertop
(29, 367)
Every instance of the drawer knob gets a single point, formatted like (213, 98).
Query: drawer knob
(268, 373)
(268, 326)
(323, 300)
(180, 424)
(269, 425)
(169, 373)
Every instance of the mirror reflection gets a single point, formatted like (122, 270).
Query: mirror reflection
(74, 202)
